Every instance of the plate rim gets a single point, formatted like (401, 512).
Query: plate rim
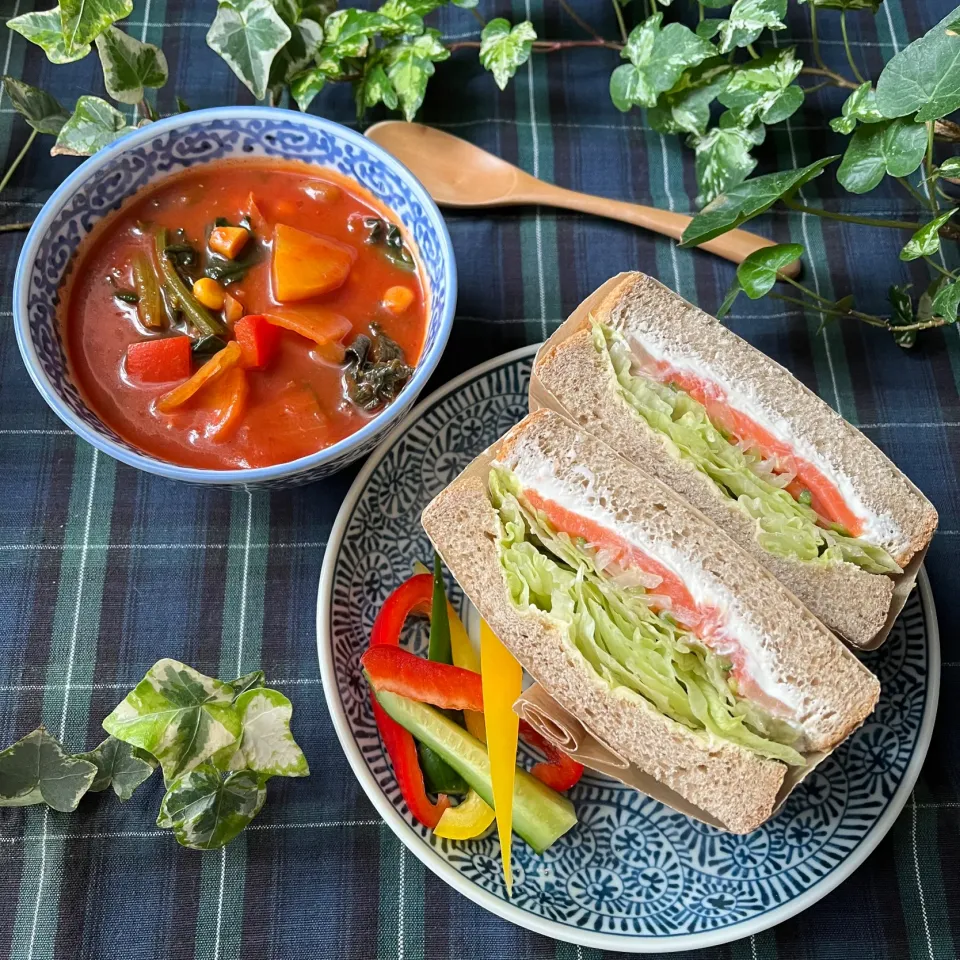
(434, 862)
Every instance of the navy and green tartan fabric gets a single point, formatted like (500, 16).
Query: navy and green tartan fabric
(104, 570)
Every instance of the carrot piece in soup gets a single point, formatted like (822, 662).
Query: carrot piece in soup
(315, 323)
(215, 367)
(159, 361)
(232, 308)
(228, 241)
(226, 396)
(398, 299)
(305, 265)
(258, 339)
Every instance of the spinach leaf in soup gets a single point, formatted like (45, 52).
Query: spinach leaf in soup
(375, 370)
(388, 237)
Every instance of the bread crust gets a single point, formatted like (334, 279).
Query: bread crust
(845, 597)
(644, 306)
(728, 781)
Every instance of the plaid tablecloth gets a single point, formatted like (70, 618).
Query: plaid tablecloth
(104, 570)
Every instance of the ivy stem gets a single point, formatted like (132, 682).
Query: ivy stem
(912, 190)
(814, 39)
(836, 79)
(16, 163)
(13, 227)
(846, 47)
(620, 21)
(578, 20)
(928, 169)
(700, 12)
(543, 46)
(936, 266)
(806, 290)
(478, 17)
(812, 306)
(847, 218)
(753, 53)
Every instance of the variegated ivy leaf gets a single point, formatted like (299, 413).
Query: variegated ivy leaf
(947, 301)
(247, 682)
(206, 809)
(297, 56)
(686, 108)
(248, 34)
(872, 5)
(84, 20)
(860, 105)
(409, 65)
(748, 19)
(407, 15)
(266, 745)
(374, 87)
(658, 58)
(45, 29)
(723, 157)
(348, 32)
(36, 770)
(94, 125)
(926, 241)
(129, 65)
(764, 89)
(36, 106)
(504, 48)
(178, 715)
(120, 766)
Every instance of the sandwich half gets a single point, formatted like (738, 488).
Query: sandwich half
(735, 434)
(644, 620)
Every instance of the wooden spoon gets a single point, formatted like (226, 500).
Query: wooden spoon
(458, 174)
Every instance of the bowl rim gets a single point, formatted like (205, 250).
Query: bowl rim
(243, 475)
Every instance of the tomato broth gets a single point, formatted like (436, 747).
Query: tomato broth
(249, 231)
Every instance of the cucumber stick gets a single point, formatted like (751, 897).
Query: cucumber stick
(540, 815)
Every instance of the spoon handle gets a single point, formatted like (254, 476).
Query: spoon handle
(735, 245)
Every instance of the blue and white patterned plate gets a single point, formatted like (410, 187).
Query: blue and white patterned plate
(632, 875)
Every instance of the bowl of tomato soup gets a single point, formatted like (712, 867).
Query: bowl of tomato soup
(236, 296)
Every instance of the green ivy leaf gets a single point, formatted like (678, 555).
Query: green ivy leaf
(860, 105)
(409, 65)
(248, 681)
(375, 87)
(716, 4)
(658, 59)
(686, 109)
(45, 29)
(248, 34)
(348, 32)
(129, 65)
(82, 21)
(94, 125)
(36, 770)
(503, 49)
(894, 147)
(748, 19)
(120, 766)
(206, 810)
(266, 745)
(926, 241)
(746, 201)
(902, 315)
(924, 76)
(722, 161)
(728, 300)
(949, 168)
(178, 715)
(466, 4)
(764, 88)
(709, 28)
(947, 301)
(318, 10)
(758, 272)
(36, 106)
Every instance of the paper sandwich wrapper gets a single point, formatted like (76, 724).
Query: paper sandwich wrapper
(540, 396)
(574, 738)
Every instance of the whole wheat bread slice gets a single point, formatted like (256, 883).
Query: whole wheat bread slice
(731, 783)
(847, 598)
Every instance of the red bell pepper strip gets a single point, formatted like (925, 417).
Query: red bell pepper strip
(445, 686)
(415, 594)
(259, 340)
(159, 361)
(558, 771)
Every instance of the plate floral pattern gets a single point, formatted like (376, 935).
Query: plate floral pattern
(633, 874)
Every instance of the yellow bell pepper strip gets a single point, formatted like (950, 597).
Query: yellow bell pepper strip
(467, 820)
(502, 684)
(215, 367)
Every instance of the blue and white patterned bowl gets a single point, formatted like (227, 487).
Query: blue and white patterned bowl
(633, 874)
(168, 146)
